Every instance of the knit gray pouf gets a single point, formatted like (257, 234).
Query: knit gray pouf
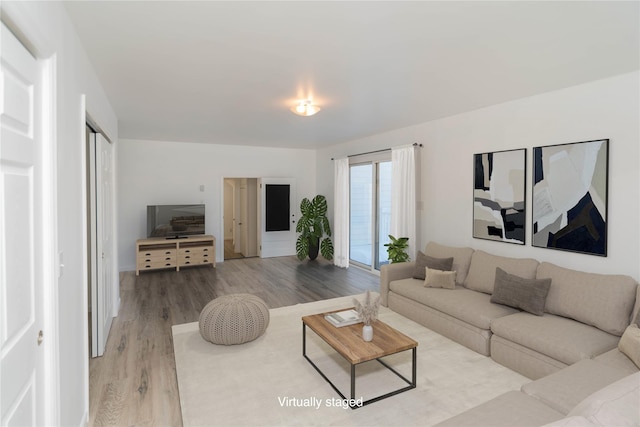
(234, 319)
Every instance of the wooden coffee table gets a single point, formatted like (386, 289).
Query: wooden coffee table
(348, 342)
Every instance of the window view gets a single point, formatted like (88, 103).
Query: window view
(370, 213)
(360, 240)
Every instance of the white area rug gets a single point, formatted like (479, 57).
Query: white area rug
(268, 382)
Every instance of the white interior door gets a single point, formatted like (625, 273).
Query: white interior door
(104, 241)
(237, 232)
(252, 218)
(278, 205)
(228, 210)
(244, 235)
(22, 278)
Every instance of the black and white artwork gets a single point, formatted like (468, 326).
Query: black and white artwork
(499, 196)
(570, 197)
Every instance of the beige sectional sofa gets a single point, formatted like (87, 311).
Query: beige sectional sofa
(571, 349)
(593, 392)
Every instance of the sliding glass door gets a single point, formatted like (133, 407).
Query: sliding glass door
(370, 213)
(361, 214)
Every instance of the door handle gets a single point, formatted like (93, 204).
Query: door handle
(40, 337)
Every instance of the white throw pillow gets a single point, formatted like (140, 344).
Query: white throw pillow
(439, 279)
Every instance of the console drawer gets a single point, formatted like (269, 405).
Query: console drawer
(194, 260)
(156, 262)
(154, 253)
(194, 251)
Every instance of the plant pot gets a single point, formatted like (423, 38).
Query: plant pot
(313, 251)
(367, 332)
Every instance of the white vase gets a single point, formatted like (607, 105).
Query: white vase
(367, 332)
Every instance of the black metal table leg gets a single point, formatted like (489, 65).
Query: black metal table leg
(414, 368)
(304, 339)
(353, 383)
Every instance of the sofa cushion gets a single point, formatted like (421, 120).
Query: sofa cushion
(439, 279)
(469, 306)
(517, 292)
(629, 344)
(566, 388)
(601, 300)
(461, 257)
(509, 409)
(423, 261)
(614, 405)
(523, 360)
(557, 337)
(482, 272)
(470, 336)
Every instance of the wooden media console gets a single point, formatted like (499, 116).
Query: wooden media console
(159, 252)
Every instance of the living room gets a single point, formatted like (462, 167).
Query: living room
(600, 104)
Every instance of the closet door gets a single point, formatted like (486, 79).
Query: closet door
(103, 290)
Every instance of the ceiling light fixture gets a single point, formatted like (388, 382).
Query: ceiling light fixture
(305, 108)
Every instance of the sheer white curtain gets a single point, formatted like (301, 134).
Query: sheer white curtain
(403, 196)
(341, 213)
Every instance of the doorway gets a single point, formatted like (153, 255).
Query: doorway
(240, 218)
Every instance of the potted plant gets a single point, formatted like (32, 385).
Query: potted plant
(397, 249)
(368, 312)
(312, 226)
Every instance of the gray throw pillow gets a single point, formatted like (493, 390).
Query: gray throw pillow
(526, 294)
(422, 261)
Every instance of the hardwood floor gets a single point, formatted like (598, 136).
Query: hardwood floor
(134, 382)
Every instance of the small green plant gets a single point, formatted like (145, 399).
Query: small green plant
(397, 249)
(312, 225)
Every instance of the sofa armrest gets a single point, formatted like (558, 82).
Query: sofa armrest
(391, 272)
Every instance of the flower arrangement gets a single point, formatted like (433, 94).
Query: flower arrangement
(368, 310)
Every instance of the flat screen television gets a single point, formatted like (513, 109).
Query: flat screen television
(175, 221)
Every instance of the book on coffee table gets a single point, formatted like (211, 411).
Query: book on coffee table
(343, 318)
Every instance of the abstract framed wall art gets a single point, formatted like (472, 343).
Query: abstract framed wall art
(570, 186)
(499, 203)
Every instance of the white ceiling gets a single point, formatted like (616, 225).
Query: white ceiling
(228, 72)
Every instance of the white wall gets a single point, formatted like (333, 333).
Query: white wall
(47, 28)
(606, 108)
(160, 172)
